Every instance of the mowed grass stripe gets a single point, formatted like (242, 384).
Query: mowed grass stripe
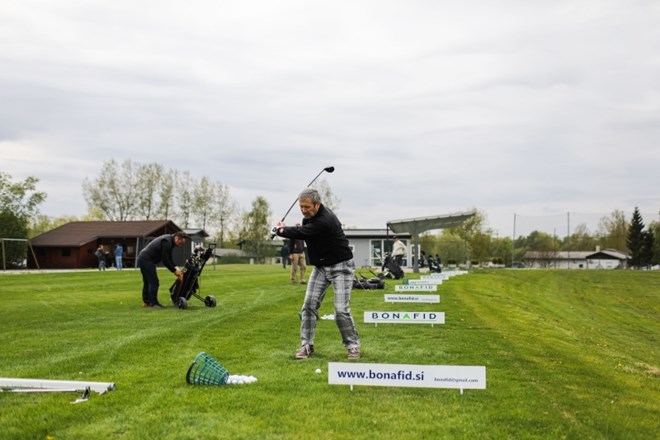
(572, 339)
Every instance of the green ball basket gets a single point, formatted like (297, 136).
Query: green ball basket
(206, 371)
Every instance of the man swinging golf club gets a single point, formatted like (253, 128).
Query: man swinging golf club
(329, 253)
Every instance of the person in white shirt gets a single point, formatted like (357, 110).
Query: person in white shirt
(398, 251)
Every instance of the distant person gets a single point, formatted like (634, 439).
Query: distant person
(159, 250)
(332, 258)
(284, 253)
(298, 261)
(119, 252)
(100, 254)
(398, 251)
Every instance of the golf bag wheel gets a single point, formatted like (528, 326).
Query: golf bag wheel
(210, 301)
(182, 304)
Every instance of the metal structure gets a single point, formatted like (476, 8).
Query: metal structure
(416, 226)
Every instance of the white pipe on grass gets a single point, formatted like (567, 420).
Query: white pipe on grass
(56, 385)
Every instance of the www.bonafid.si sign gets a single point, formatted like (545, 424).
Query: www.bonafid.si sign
(404, 375)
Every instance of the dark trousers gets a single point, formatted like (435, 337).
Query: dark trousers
(150, 282)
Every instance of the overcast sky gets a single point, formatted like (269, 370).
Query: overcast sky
(425, 107)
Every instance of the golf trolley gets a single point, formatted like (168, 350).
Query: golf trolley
(184, 288)
(368, 283)
(391, 269)
(434, 264)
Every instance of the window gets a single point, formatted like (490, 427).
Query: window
(376, 252)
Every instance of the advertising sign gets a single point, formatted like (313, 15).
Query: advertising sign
(412, 298)
(406, 375)
(373, 317)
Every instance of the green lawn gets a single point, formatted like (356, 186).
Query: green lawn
(569, 354)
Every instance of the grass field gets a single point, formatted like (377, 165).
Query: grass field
(569, 354)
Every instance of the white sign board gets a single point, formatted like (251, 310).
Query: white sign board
(435, 281)
(406, 375)
(453, 273)
(416, 288)
(394, 298)
(434, 277)
(373, 317)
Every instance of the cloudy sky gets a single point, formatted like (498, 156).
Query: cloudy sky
(425, 107)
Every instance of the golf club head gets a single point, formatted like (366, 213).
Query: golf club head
(329, 169)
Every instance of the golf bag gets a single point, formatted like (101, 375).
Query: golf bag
(184, 288)
(434, 265)
(390, 269)
(368, 284)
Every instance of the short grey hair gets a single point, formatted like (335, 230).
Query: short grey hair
(311, 194)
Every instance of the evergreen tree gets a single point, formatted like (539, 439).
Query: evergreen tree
(635, 238)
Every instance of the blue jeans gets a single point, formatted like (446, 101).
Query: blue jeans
(341, 277)
(118, 263)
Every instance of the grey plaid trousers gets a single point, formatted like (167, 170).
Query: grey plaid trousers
(340, 276)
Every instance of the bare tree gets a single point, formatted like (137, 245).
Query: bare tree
(613, 230)
(184, 198)
(202, 206)
(166, 190)
(149, 178)
(224, 209)
(328, 198)
(113, 191)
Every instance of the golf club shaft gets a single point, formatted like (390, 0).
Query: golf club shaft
(308, 185)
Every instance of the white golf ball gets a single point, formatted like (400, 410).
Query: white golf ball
(318, 371)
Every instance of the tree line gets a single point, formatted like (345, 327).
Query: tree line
(132, 191)
(473, 241)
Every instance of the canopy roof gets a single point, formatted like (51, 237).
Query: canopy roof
(416, 226)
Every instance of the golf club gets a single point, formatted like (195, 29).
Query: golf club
(329, 169)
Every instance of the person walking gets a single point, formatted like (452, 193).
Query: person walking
(158, 250)
(119, 252)
(332, 258)
(398, 251)
(298, 261)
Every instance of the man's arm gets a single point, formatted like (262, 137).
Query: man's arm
(166, 255)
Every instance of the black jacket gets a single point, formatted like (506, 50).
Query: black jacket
(326, 242)
(297, 246)
(160, 249)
